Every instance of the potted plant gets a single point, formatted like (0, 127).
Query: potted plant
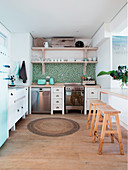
(12, 78)
(120, 74)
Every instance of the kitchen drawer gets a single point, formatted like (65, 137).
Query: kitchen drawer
(57, 107)
(57, 101)
(57, 89)
(57, 95)
(92, 93)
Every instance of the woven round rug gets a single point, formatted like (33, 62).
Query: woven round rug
(53, 127)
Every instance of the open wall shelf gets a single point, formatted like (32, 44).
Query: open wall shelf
(43, 58)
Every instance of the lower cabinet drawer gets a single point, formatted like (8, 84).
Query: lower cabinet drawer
(92, 93)
(57, 89)
(57, 107)
(57, 101)
(57, 95)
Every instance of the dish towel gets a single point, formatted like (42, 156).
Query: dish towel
(22, 72)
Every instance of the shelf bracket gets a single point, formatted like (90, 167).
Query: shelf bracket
(43, 68)
(84, 54)
(84, 68)
(43, 58)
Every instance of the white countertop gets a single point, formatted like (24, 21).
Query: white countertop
(122, 93)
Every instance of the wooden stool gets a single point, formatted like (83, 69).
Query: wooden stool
(108, 111)
(94, 103)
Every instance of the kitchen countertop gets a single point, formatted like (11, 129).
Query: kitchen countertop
(59, 85)
(16, 87)
(48, 85)
(122, 93)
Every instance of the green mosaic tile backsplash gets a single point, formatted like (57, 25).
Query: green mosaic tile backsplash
(63, 73)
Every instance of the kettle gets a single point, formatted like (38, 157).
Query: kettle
(51, 81)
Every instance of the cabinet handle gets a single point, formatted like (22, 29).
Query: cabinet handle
(57, 101)
(22, 107)
(57, 107)
(11, 94)
(57, 95)
(19, 99)
(18, 110)
(57, 89)
(92, 92)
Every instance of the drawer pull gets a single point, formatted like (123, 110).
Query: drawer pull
(57, 101)
(22, 107)
(19, 99)
(92, 92)
(57, 95)
(57, 107)
(57, 89)
(18, 110)
(11, 94)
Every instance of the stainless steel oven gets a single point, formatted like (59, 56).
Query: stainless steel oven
(74, 97)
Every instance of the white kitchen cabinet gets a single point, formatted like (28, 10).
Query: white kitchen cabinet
(57, 99)
(91, 92)
(17, 105)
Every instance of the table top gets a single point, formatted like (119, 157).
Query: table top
(122, 93)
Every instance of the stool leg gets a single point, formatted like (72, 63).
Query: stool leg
(93, 120)
(96, 126)
(89, 115)
(119, 135)
(102, 134)
(107, 129)
(110, 126)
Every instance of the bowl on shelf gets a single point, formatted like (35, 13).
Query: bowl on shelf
(94, 58)
(89, 59)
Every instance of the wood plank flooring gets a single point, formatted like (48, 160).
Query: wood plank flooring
(26, 150)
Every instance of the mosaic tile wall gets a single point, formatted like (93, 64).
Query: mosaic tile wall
(69, 73)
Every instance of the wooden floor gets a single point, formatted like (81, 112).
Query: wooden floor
(25, 150)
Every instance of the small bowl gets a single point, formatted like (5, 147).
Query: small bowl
(94, 58)
(89, 59)
(88, 78)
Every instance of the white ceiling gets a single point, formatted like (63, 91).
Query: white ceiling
(51, 18)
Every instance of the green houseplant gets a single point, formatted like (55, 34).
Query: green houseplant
(120, 74)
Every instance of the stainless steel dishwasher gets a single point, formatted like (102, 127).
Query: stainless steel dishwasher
(41, 100)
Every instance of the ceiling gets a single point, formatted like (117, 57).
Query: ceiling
(58, 18)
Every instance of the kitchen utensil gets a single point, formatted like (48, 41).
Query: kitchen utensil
(51, 81)
(41, 81)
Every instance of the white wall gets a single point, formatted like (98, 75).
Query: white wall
(120, 21)
(104, 64)
(4, 31)
(104, 54)
(21, 44)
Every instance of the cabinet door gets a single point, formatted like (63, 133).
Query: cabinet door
(11, 116)
(11, 109)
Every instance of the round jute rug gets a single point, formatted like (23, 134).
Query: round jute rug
(53, 127)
